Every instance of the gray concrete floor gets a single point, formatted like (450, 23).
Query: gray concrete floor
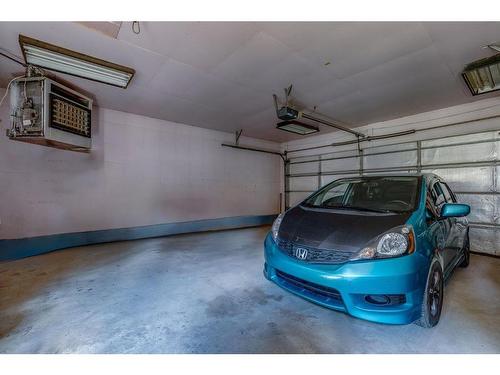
(205, 293)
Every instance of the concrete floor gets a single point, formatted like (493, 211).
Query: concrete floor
(205, 293)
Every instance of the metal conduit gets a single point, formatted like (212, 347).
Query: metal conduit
(283, 156)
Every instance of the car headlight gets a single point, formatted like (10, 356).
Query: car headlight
(395, 242)
(276, 226)
(392, 244)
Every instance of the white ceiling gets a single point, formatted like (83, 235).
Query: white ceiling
(221, 75)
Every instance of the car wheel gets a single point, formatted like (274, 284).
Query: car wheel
(466, 249)
(433, 297)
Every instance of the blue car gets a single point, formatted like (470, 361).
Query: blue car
(377, 247)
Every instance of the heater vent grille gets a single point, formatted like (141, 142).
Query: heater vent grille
(68, 116)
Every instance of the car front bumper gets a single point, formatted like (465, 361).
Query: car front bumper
(345, 287)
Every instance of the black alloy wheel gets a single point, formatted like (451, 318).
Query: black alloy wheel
(433, 297)
(435, 294)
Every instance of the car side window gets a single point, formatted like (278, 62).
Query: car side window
(429, 205)
(450, 197)
(430, 202)
(438, 197)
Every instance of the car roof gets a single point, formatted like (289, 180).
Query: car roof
(425, 175)
(429, 178)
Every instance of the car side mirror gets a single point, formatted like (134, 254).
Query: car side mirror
(455, 210)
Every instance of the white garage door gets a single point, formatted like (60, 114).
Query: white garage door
(469, 163)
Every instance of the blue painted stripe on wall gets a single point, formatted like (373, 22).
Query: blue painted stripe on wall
(25, 247)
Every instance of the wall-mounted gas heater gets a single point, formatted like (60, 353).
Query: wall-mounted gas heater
(50, 114)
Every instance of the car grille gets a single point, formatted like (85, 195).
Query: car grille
(315, 255)
(325, 292)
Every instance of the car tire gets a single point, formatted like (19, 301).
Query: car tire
(432, 302)
(466, 250)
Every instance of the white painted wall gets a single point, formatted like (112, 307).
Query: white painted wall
(141, 171)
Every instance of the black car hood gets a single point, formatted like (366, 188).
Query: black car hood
(345, 230)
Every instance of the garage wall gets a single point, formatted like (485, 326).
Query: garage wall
(465, 154)
(141, 171)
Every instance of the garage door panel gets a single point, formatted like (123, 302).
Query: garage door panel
(395, 155)
(483, 207)
(348, 164)
(390, 148)
(460, 154)
(476, 137)
(340, 154)
(303, 183)
(305, 158)
(485, 240)
(310, 167)
(395, 159)
(497, 178)
(473, 179)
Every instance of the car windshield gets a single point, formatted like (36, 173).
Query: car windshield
(377, 194)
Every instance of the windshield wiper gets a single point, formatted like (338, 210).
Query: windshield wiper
(343, 207)
(379, 210)
(356, 208)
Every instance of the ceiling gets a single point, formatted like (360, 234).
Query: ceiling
(222, 75)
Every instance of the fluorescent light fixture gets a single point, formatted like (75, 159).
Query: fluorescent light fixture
(63, 60)
(483, 76)
(297, 127)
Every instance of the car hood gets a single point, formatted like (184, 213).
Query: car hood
(345, 230)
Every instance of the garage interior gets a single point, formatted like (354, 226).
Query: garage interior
(151, 240)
